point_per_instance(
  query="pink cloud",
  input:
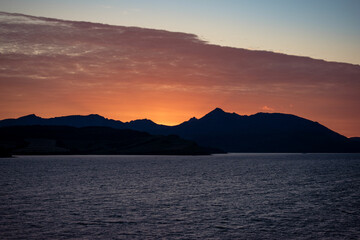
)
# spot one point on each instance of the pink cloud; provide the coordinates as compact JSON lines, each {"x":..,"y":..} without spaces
{"x":267,"y":109}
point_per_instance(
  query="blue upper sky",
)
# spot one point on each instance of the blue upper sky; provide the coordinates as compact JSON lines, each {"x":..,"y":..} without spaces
{"x":324,"y":29}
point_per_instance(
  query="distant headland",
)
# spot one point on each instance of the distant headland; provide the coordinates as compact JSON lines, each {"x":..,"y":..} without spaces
{"x":216,"y":132}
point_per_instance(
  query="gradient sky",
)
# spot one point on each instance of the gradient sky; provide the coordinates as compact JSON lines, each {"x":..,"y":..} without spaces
{"x":322,"y":29}
{"x":55,"y":67}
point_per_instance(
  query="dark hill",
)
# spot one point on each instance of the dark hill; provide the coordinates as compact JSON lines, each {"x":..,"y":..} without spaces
{"x":90,"y":140}
{"x":72,"y":121}
{"x":261,"y":132}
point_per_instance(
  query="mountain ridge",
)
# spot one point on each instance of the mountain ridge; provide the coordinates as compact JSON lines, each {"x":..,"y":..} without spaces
{"x":65,"y":140}
{"x":260,"y":132}
{"x":215,"y":112}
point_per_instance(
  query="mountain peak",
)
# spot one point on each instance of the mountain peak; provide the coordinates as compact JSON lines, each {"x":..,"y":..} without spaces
{"x":30,"y":116}
{"x":95,"y":116}
{"x":216,"y":113}
{"x":217,"y":110}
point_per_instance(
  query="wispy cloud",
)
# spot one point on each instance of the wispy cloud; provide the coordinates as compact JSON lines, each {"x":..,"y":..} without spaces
{"x":267,"y":109}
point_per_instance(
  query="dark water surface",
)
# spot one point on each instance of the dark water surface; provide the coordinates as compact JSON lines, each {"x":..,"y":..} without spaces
{"x":235,"y":196}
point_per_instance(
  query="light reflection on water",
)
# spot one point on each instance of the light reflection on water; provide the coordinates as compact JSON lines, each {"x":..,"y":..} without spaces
{"x":234,"y":196}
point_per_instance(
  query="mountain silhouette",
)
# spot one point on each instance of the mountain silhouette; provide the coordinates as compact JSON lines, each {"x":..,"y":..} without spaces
{"x":38,"y":139}
{"x":73,"y":121}
{"x":261,"y":132}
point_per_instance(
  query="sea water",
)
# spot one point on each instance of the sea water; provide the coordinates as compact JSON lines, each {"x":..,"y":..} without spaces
{"x":233,"y":196}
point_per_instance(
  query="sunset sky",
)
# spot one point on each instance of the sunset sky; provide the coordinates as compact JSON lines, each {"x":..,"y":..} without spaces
{"x":55,"y":67}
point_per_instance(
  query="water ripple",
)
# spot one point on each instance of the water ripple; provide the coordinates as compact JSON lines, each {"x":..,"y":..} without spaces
{"x":235,"y":196}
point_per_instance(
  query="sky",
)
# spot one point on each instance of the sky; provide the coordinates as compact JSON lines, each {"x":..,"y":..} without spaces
{"x":56,"y":67}
{"x":322,"y":29}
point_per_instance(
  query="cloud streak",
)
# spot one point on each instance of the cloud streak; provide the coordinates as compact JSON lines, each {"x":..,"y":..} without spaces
{"x":55,"y":67}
